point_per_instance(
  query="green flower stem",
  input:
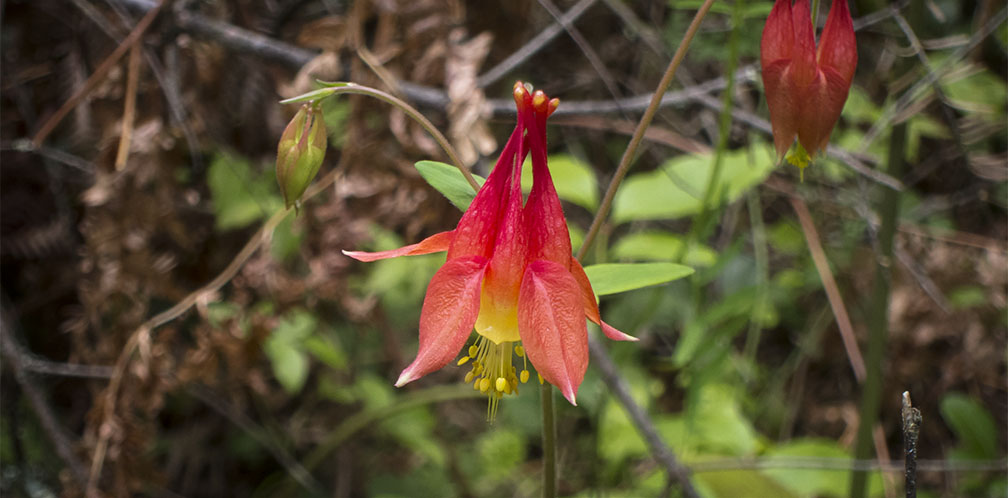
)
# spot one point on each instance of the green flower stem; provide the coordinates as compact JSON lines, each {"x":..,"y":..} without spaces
{"x":353,"y":88}
{"x":878,"y":318}
{"x":638,"y":135}
{"x":548,"y":441}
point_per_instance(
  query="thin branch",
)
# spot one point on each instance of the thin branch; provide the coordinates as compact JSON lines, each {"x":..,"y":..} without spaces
{"x":631,"y":151}
{"x":129,"y":108}
{"x":911,"y":431}
{"x":947,"y":114}
{"x":854,"y":356}
{"x":99,"y":74}
{"x":593,"y":59}
{"x":619,"y":389}
{"x":602,"y":361}
{"x":34,"y":364}
{"x":534,"y":45}
{"x":143,"y":332}
{"x":13,"y":355}
{"x":169,"y":85}
{"x":59,"y":156}
{"x":228,"y":411}
{"x":847,"y":465}
{"x":907,"y":99}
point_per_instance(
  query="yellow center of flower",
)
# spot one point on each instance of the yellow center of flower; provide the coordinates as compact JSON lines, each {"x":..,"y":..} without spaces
{"x":800,"y":158}
{"x":492,"y":372}
{"x":497,"y":321}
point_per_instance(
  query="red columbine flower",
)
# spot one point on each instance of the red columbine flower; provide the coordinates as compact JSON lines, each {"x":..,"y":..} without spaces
{"x":806,"y":88}
{"x":510,"y":274}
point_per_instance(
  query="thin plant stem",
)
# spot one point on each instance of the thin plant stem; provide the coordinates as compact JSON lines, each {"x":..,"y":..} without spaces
{"x":700,"y":224}
{"x":879,"y":312}
{"x":815,"y":11}
{"x":761,"y":256}
{"x":635,"y":140}
{"x":354,"y":88}
{"x":548,"y":441}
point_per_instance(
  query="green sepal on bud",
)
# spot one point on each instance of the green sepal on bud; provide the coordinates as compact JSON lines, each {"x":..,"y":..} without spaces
{"x":300,"y":153}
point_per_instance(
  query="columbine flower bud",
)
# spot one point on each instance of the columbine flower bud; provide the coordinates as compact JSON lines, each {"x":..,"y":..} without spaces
{"x":806,"y":86}
{"x":300,"y":153}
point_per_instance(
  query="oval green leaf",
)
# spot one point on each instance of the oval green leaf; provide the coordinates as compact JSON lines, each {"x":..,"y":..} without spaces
{"x":448,"y":180}
{"x":612,"y":278}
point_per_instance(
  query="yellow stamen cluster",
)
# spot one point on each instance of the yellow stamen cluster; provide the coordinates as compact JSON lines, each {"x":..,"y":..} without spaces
{"x":492,"y":372}
{"x":800,"y":158}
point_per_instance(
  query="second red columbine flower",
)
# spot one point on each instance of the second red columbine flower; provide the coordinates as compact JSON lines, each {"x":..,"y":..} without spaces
{"x":806,"y":87}
{"x":510,"y":275}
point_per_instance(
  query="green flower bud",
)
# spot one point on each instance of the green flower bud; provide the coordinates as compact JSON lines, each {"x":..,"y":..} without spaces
{"x":300,"y":153}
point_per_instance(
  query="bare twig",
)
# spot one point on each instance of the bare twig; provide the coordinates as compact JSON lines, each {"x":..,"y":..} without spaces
{"x":539,"y":41}
{"x":602,"y":361}
{"x":228,"y":411}
{"x":631,"y":151}
{"x":618,"y":388}
{"x":911,"y":430}
{"x":586,"y":49}
{"x":59,"y":156}
{"x":946,"y":107}
{"x":854,"y":356}
{"x":12,"y":355}
{"x":143,"y":332}
{"x":847,"y":464}
{"x":98,"y":75}
{"x":129,"y":108}
{"x":166,"y":76}
{"x":907,"y":99}
{"x":32,"y":363}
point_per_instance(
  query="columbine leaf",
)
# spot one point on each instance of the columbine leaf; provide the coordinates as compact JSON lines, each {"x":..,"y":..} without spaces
{"x":621,"y":277}
{"x":448,"y":180}
{"x":972,"y":424}
{"x":675,"y":189}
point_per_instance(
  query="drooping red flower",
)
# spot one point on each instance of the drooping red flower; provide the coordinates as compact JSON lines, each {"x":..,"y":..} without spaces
{"x":510,"y":274}
{"x":806,"y":87}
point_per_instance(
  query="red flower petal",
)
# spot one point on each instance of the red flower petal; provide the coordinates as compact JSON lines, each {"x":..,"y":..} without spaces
{"x":435,"y":243}
{"x":552,"y":325}
{"x":778,"y":34}
{"x":449,"y":312}
{"x":824,"y":101}
{"x":591,"y":309}
{"x":477,"y":231}
{"x":782,"y":103}
{"x":837,"y":45}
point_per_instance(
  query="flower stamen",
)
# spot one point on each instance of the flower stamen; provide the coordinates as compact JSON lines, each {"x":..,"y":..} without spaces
{"x":492,"y":372}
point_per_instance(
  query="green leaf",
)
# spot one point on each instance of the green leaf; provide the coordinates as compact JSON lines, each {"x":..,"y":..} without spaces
{"x":973,"y":426}
{"x":612,"y":278}
{"x":286,"y":240}
{"x":448,"y":180}
{"x":810,"y":482}
{"x":290,"y":365}
{"x":734,"y":483}
{"x":573,"y":178}
{"x":661,"y":246}
{"x":328,"y":350}
{"x":285,"y":349}
{"x":500,"y":451}
{"x":676,"y":188}
{"x":240,"y":195}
